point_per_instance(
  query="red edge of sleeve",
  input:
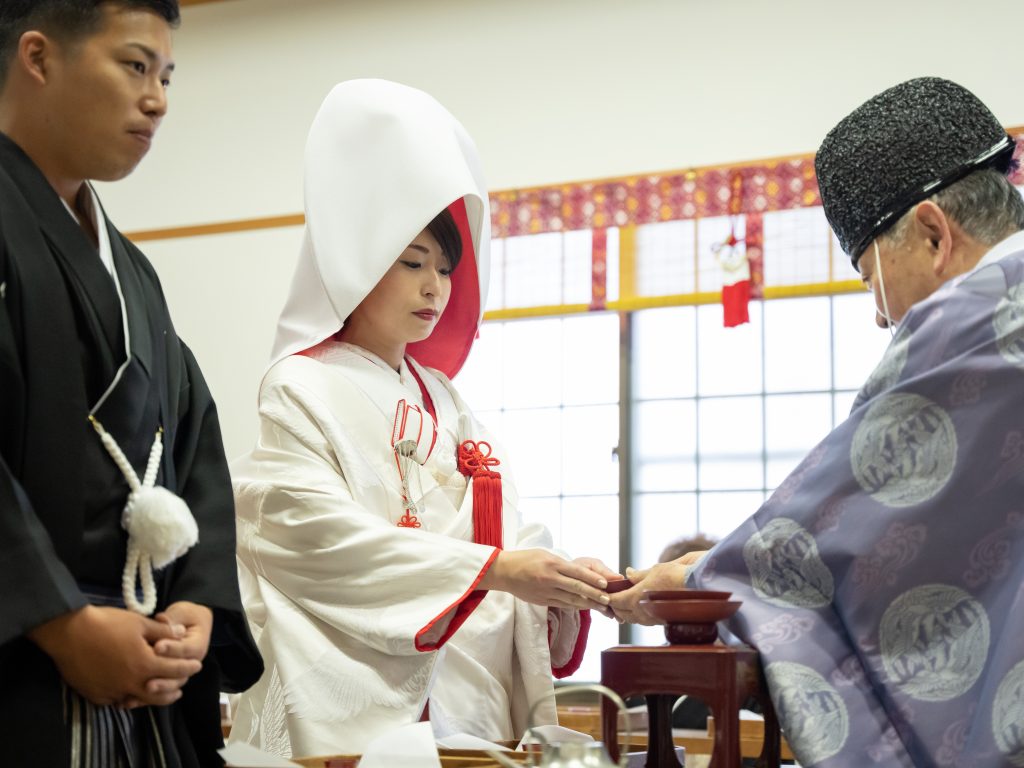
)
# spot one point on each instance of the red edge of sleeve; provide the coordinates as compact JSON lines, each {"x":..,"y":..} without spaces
{"x":577,"y":653}
{"x":464,"y":606}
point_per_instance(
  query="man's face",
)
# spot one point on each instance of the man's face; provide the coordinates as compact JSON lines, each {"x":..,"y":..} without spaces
{"x":905,"y":268}
{"x":107,"y":93}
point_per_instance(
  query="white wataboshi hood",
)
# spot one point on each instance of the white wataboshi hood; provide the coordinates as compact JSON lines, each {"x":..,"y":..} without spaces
{"x":382,"y":160}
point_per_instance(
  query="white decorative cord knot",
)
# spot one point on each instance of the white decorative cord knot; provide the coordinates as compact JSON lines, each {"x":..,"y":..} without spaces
{"x":160,"y":525}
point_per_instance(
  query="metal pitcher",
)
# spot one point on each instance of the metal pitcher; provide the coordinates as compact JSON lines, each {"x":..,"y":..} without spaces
{"x":571,"y":754}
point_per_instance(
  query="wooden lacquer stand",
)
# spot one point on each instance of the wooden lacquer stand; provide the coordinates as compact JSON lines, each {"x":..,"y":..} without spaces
{"x":724,"y":677}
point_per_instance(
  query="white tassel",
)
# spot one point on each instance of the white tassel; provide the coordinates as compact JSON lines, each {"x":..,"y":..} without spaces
{"x":160,"y":525}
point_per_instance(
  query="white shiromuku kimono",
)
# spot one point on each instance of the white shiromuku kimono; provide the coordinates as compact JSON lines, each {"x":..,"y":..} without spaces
{"x":355,"y":616}
{"x":361,"y":620}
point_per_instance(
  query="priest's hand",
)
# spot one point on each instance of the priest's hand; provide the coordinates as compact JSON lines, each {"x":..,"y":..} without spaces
{"x":108,"y":656}
{"x":670,"y":575}
{"x":540,"y":577}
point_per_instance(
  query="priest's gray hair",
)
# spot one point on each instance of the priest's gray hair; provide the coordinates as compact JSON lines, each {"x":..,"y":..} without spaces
{"x":984,"y":203}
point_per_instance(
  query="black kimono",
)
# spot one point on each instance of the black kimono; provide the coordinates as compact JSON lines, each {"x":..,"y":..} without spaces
{"x":61,"y":496}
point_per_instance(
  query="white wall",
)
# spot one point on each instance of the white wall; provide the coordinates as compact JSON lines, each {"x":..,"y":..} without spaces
{"x":225,"y":292}
{"x":552,"y":90}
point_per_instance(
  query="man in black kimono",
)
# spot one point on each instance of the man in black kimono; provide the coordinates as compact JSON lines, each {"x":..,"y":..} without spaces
{"x":85,"y":335}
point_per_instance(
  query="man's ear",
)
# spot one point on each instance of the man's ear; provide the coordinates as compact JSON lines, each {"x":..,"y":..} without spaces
{"x":932,"y":230}
{"x":33,"y":56}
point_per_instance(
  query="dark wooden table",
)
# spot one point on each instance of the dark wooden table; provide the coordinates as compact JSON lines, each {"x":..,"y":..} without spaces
{"x":723,"y":677}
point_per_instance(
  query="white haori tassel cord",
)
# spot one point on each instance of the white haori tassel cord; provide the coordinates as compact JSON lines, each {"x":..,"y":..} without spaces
{"x":159,"y":523}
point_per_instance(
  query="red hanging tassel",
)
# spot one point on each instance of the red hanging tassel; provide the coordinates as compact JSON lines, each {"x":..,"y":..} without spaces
{"x":475,"y":461}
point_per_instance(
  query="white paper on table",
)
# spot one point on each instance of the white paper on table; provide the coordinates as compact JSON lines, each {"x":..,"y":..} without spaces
{"x":466,"y":741}
{"x":553,"y":734}
{"x":411,"y":746}
{"x":242,"y":755}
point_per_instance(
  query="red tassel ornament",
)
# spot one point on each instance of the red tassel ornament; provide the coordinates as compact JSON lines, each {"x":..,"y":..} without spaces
{"x":475,"y":462}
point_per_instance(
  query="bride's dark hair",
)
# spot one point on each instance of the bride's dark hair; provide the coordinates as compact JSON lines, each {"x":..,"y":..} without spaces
{"x":445,"y":231}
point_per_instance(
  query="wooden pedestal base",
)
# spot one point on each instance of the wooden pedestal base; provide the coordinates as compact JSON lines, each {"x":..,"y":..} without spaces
{"x":724,"y":677}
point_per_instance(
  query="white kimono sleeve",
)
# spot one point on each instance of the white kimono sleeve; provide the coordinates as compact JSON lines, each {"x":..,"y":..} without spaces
{"x":398,"y":590}
{"x":568,"y":628}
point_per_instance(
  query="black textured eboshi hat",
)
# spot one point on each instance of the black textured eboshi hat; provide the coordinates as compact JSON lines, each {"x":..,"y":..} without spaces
{"x":897,"y":149}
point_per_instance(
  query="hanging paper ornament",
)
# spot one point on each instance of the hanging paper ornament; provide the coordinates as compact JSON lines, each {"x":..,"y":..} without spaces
{"x":731,"y":255}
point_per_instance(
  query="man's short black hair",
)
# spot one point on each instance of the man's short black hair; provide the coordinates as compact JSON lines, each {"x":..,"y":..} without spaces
{"x":64,"y":20}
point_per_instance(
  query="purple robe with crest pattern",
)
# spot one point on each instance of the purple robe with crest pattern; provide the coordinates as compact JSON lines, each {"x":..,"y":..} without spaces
{"x":883,"y":581}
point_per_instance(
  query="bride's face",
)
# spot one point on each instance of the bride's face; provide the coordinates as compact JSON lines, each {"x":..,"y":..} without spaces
{"x":408,"y":301}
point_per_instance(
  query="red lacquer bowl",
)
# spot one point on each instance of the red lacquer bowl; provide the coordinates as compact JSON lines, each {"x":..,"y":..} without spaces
{"x":691,"y":634}
{"x":618,"y":585}
{"x":685,"y":594}
{"x":691,"y":611}
{"x":691,"y":622}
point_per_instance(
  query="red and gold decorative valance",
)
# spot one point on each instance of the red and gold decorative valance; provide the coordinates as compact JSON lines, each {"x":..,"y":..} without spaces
{"x":697,"y":193}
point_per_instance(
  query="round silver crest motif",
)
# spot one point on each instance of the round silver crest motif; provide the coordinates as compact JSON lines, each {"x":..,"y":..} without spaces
{"x":1008,"y":715}
{"x":817,"y":722}
{"x":887,"y":373}
{"x":1008,"y":323}
{"x":785,"y":567}
{"x":934,"y":640}
{"x":904,"y":450}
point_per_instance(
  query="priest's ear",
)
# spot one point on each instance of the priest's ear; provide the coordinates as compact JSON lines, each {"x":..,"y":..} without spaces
{"x":933,"y":234}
